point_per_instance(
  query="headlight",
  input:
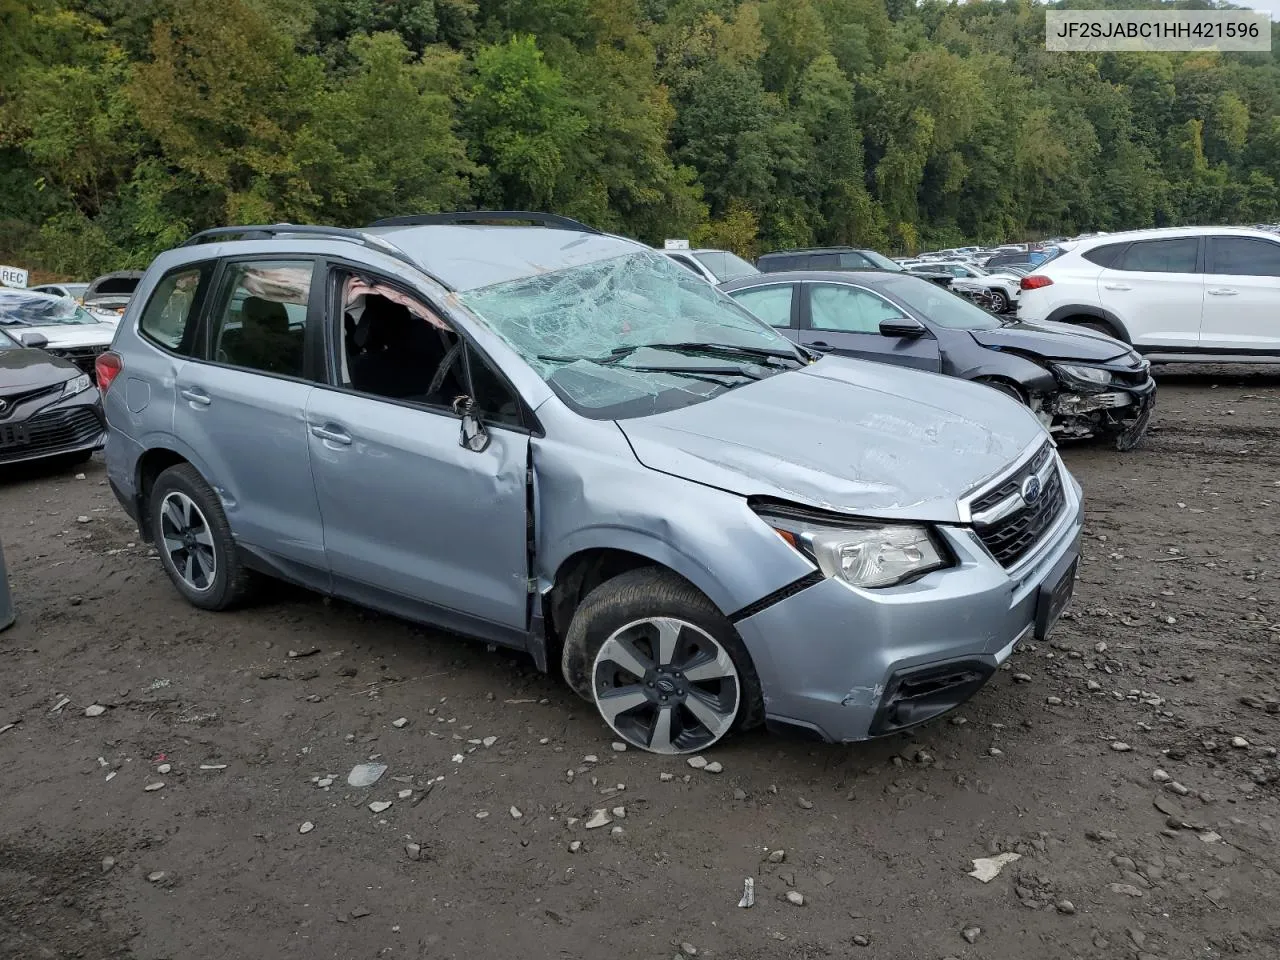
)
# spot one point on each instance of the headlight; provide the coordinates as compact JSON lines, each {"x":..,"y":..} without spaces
{"x":76,"y":385}
{"x":863,"y":555}
{"x":1088,"y":374}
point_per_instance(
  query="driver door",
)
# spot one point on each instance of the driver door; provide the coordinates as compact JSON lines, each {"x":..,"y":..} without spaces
{"x":844,"y":318}
{"x":414,"y":522}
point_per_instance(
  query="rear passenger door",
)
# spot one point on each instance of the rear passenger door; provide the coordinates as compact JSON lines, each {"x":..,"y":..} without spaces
{"x":1242,"y":295}
{"x":844,"y":318}
{"x":1156,"y":288}
{"x":241,"y":405}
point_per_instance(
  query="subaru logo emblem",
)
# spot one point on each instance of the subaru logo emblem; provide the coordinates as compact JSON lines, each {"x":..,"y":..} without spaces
{"x":1031,"y":490}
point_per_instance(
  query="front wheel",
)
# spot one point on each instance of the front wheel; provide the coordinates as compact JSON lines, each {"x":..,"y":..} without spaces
{"x":999,"y":301}
{"x":665,"y":669}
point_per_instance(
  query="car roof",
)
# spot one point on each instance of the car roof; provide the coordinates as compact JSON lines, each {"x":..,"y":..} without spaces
{"x":788,"y":253}
{"x":869,"y":277}
{"x":1163,"y":233}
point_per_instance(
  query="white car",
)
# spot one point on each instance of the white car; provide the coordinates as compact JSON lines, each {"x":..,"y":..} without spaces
{"x":68,"y":329}
{"x":73,"y":290}
{"x":713,"y":266}
{"x":1189,"y":294}
{"x":969,"y":278}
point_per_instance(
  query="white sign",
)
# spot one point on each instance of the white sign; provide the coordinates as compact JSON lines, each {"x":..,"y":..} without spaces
{"x":13,"y":276}
{"x":675,"y":245}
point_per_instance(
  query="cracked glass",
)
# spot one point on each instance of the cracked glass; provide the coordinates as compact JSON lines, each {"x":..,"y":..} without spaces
{"x":596,"y":334}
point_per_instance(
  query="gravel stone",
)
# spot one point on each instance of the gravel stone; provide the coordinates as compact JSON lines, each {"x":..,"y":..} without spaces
{"x":795,"y":898}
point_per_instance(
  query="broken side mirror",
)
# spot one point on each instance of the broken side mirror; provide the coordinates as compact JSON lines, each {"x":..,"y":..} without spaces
{"x":33,"y":339}
{"x":902,"y":327}
{"x":472,"y":434}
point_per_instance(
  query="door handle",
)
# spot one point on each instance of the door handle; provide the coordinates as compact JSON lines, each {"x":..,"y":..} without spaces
{"x":195,"y":395}
{"x":1221,"y":292}
{"x":821,"y":345}
{"x":333,"y":434}
{"x":1116,"y":286}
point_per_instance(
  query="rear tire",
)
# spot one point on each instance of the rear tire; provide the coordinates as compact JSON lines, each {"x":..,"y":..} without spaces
{"x":1100,"y":326}
{"x":999,"y":301}
{"x":196,"y":547}
{"x":666,"y":670}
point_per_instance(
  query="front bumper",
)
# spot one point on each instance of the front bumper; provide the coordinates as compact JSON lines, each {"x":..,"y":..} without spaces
{"x":845,"y":664}
{"x":55,"y":429}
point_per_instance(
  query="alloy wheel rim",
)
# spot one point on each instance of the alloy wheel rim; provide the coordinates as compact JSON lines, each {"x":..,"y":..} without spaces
{"x":188,"y":541}
{"x":665,"y":685}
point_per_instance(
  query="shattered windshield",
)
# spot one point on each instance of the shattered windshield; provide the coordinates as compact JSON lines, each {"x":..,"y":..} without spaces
{"x":631,"y":335}
{"x":34,"y":311}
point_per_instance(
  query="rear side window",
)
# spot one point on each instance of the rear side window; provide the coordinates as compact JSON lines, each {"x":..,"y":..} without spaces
{"x":1161,"y":256}
{"x":261,"y":319}
{"x":1105,"y":256}
{"x":822,"y":261}
{"x":770,"y":304}
{"x":688,"y":265}
{"x":1245,"y":257}
{"x":170,"y":315}
{"x":855,"y":261}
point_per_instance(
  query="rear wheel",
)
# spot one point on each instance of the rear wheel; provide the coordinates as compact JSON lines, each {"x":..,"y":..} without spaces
{"x":665,"y":669}
{"x":1099,"y":326}
{"x":196,"y":548}
{"x":999,"y":301}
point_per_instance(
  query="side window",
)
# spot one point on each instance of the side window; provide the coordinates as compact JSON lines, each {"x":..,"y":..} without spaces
{"x":688,"y":265}
{"x":169,"y":317}
{"x":770,"y":304}
{"x":854,"y":261}
{"x":822,"y":261}
{"x":492,"y":395}
{"x":394,"y":345}
{"x":260,"y":322}
{"x":842,"y":309}
{"x":1161,"y":256}
{"x":1105,"y":256}
{"x":1245,"y":257}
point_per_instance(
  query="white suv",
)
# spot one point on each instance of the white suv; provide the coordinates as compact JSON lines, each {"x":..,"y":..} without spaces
{"x":1176,"y":294}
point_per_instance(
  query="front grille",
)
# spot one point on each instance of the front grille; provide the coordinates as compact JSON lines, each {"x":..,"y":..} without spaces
{"x":48,"y":433}
{"x":1011,"y":537}
{"x":1013,"y":484}
{"x":13,"y":400}
{"x":82,"y":357}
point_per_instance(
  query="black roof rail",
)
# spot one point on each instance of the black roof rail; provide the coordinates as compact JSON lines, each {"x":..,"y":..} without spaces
{"x":552,"y":220}
{"x":263,"y":231}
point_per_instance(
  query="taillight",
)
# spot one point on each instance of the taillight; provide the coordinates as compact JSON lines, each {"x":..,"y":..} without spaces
{"x":1034,"y":282}
{"x":107,"y":366}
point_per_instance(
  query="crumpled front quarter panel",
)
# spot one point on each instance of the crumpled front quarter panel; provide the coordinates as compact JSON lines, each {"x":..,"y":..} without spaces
{"x":592,"y":493}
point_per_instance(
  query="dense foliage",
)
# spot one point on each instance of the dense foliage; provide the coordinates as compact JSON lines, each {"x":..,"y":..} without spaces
{"x":754,"y":124}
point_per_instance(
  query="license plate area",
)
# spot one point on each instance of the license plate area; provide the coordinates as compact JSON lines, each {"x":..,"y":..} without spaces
{"x":1055,"y":594}
{"x":13,"y":435}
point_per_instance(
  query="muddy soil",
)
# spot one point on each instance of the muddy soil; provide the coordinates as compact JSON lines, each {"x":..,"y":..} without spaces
{"x":1171,"y":649}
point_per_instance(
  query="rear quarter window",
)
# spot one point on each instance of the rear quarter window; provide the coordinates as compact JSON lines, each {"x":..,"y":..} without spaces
{"x":1105,"y":256}
{"x":169,"y":318}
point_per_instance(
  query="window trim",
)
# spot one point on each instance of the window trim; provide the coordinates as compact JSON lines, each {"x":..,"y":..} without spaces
{"x":330,"y":343}
{"x":808,"y":309}
{"x":795,"y":300}
{"x":195,"y":319}
{"x":308,"y":331}
{"x":1211,"y":256}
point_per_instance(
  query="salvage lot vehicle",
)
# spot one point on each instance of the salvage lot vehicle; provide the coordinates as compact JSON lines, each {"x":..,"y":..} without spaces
{"x":107,"y":296}
{"x":713,"y":266}
{"x":826,"y":258}
{"x":1078,"y":382}
{"x":75,"y":291}
{"x":48,"y":408}
{"x":67,"y":329}
{"x":560,"y":441}
{"x":1178,"y":294}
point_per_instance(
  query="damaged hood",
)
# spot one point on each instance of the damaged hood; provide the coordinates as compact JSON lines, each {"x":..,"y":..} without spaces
{"x":1054,"y":341}
{"x":843,"y":435}
{"x":63,"y":335}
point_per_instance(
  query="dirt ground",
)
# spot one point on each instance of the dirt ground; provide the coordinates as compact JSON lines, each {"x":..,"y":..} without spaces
{"x":1171,"y":649}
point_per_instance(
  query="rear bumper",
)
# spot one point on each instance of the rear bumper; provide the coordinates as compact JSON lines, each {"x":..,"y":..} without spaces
{"x":846,"y":664}
{"x":122,"y":455}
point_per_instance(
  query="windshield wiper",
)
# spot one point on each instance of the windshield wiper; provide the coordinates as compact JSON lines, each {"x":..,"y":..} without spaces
{"x":11,"y":320}
{"x":724,"y":349}
{"x":696,"y":372}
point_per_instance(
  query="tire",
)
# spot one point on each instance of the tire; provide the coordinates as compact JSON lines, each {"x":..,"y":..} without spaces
{"x":999,"y":301}
{"x":1008,"y":389}
{"x":666,"y":630}
{"x":1100,"y":326}
{"x":180,"y":495}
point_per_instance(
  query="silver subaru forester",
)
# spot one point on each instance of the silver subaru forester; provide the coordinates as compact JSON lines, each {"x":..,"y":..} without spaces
{"x":519,"y":428}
